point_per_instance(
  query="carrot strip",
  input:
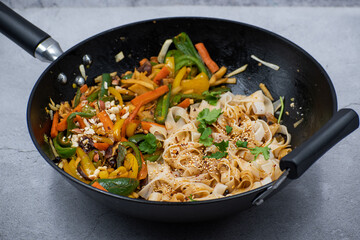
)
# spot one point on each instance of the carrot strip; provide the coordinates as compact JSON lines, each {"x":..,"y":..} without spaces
{"x":101,"y":146}
{"x":98,"y":186}
{"x":185,"y":103}
{"x":148,"y":125}
{"x":106,"y":121}
{"x":63,"y":123}
{"x":83,"y":88}
{"x":213,"y":67}
{"x":150,"y":96}
{"x":54,"y":132}
{"x":80,"y":120}
{"x":164,"y":72}
{"x":143,"y":172}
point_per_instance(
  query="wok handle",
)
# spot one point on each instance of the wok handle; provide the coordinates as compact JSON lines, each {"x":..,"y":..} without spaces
{"x":32,"y":39}
{"x":301,"y":158}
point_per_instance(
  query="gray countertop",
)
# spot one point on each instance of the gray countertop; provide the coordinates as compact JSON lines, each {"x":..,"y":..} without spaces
{"x":36,"y":202}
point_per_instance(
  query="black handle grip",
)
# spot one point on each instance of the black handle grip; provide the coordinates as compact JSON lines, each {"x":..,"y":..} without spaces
{"x":301,"y":158}
{"x":21,"y":31}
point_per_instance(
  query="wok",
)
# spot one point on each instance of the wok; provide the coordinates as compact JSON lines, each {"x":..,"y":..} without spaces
{"x":230,"y":44}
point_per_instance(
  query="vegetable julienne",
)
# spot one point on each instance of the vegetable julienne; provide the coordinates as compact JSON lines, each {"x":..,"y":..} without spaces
{"x":168,"y":131}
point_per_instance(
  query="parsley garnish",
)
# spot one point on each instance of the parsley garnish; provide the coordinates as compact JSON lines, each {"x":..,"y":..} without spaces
{"x":149,"y":144}
{"x":241,"y":144}
{"x":205,"y":137}
{"x":212,"y":97}
{"x":228,"y":129}
{"x":264,"y":150}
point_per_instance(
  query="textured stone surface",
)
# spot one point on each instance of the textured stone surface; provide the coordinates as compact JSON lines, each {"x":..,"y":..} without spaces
{"x":36,"y":203}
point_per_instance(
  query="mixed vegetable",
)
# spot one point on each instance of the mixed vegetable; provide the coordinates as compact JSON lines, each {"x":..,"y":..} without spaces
{"x":102,"y":137}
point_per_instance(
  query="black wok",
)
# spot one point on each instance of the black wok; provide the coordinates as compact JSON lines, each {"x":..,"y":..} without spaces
{"x":230,"y":44}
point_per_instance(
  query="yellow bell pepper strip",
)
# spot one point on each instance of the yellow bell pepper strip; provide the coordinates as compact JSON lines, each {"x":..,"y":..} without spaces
{"x":130,"y":128}
{"x":179,"y":76}
{"x":86,"y":164}
{"x":117,"y":95}
{"x":162,"y":107}
{"x":70,"y":168}
{"x":199,"y":84}
{"x":136,"y":152}
{"x":103,"y":139}
{"x":64,"y":152}
{"x":117,"y":129}
{"x":119,"y":186}
{"x":131,"y":165}
{"x":119,"y":172}
{"x":170,"y":64}
{"x":105,"y":84}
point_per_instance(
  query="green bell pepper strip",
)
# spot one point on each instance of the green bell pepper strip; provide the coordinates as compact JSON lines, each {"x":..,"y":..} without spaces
{"x":137,"y":138}
{"x":162,"y":108}
{"x":152,"y":158}
{"x":127,"y":76}
{"x":177,"y":98}
{"x":105,"y":84}
{"x":64,"y":152}
{"x":126,"y":97}
{"x":93,"y":96}
{"x":136,"y":151}
{"x":184,"y":44}
{"x":70,"y":120}
{"x":173,"y":53}
{"x":186,"y":60}
{"x":119,"y":186}
{"x":62,"y":140}
{"x":108,"y":98}
{"x":121,"y":156}
{"x":77,"y":97}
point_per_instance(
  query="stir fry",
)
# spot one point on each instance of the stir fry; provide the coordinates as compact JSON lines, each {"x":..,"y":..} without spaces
{"x":130,"y":134}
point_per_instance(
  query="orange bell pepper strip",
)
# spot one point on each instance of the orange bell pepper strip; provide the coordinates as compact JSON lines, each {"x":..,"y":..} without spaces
{"x":83,"y":88}
{"x":147,"y":125}
{"x":143,"y":172}
{"x":98,"y":186}
{"x":185,"y":103}
{"x":101,"y":146}
{"x":54,"y":132}
{"x":106,"y":121}
{"x":129,"y":119}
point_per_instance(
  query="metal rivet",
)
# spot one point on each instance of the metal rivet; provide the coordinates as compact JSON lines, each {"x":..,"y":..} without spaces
{"x":79,"y":80}
{"x":87,"y":60}
{"x":62,"y":78}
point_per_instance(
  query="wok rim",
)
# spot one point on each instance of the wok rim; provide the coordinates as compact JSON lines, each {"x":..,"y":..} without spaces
{"x":148,"y":202}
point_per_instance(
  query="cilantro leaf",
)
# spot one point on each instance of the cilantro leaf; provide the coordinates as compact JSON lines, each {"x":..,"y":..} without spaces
{"x":265,"y":151}
{"x":208,"y":117}
{"x":228,"y":129}
{"x":217,"y":155}
{"x":149,"y":144}
{"x":241,"y":144}
{"x":212,"y":97}
{"x":191,"y":198}
{"x":205,"y":137}
{"x":222,"y":146}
